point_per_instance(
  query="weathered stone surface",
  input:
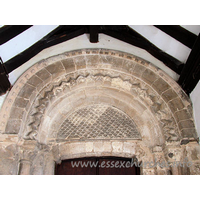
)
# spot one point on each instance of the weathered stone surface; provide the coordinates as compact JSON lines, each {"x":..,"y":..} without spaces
{"x":189,"y":133}
{"x":26,"y":91}
{"x":89,"y":147}
{"x":16,"y":113}
{"x":149,"y":76}
{"x":76,"y":148}
{"x":160,"y":85}
{"x":117,"y":63}
{"x":137,"y":70}
{"x":56,"y":69}
{"x":106,"y":60}
{"x":69,"y":65}
{"x":98,"y":146}
{"x":182,"y":115}
{"x":8,"y":159}
{"x":52,"y":95}
{"x":93,"y":61}
{"x":43,"y":74}
{"x":34,"y":81}
{"x":129,"y":147}
{"x":169,"y":95}
{"x":117,"y":147}
{"x":186,"y":124}
{"x":13,"y":126}
{"x":128,"y":66}
{"x":21,"y":102}
{"x":80,"y":62}
{"x":176,"y":105}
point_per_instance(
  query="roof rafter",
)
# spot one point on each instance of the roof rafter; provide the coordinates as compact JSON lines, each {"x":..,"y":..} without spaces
{"x":10,"y":31}
{"x":177,"y":32}
{"x":190,"y":74}
{"x":55,"y":37}
{"x":126,"y":34}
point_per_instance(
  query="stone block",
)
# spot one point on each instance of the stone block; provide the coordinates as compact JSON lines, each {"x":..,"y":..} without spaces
{"x":111,"y":92}
{"x":68,"y":65}
{"x":89,"y":147}
{"x":43,"y":74}
{"x":189,"y":133}
{"x":20,"y":102}
{"x":186,"y":124}
{"x":26,"y":91}
{"x":123,"y":107}
{"x":117,"y":63}
{"x":107,"y":147}
{"x":137,"y":70}
{"x":160,"y":85}
{"x":129,"y":148}
{"x":77,"y":148}
{"x":169,"y":95}
{"x":128,"y":66}
{"x":80,"y":62}
{"x":56,"y":69}
{"x":34,"y":81}
{"x":16,"y":113}
{"x":176,"y":105}
{"x":13,"y":126}
{"x":98,"y":146}
{"x":149,"y":76}
{"x":148,"y":172}
{"x":117,"y":147}
{"x":182,"y":115}
{"x":106,"y":59}
{"x":93,"y":61}
{"x":64,"y":149}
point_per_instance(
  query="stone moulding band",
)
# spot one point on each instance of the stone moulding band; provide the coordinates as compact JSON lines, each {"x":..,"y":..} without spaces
{"x":138,"y":89}
{"x":167,"y":101}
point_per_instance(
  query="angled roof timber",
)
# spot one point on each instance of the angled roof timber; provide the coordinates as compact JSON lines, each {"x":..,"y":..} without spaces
{"x":177,"y":32}
{"x":121,"y":32}
{"x":190,"y":74}
{"x":10,"y":31}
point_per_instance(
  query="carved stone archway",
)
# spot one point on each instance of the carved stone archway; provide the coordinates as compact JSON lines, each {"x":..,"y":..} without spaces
{"x":59,"y":91}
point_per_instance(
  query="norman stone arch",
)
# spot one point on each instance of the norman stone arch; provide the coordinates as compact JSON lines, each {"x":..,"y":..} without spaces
{"x":81,"y":90}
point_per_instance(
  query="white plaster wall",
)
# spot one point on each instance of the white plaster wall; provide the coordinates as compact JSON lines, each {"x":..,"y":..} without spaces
{"x":24,"y":40}
{"x":192,"y":28}
{"x":163,"y":41}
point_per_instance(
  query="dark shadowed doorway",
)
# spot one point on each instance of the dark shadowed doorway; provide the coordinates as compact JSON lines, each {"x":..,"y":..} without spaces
{"x":97,"y":166}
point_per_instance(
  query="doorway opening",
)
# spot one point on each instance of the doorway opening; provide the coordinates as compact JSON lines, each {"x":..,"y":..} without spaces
{"x":98,"y":166}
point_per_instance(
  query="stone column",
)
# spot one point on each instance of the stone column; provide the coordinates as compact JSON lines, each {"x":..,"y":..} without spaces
{"x":24,"y":167}
{"x":26,"y":155}
{"x":175,"y":157}
{"x":192,"y":150}
{"x":49,"y":165}
{"x":147,"y":166}
{"x":161,"y":164}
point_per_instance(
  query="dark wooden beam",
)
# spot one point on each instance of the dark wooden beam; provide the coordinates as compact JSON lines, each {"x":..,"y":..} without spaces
{"x":121,"y":32}
{"x":10,"y":31}
{"x":190,"y":74}
{"x":126,"y":34}
{"x":177,"y":32}
{"x":4,"y":81}
{"x":57,"y":36}
{"x":94,"y":33}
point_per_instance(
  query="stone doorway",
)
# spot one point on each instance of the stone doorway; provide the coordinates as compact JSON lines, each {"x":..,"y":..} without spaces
{"x":98,"y":166}
{"x":93,"y":103}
